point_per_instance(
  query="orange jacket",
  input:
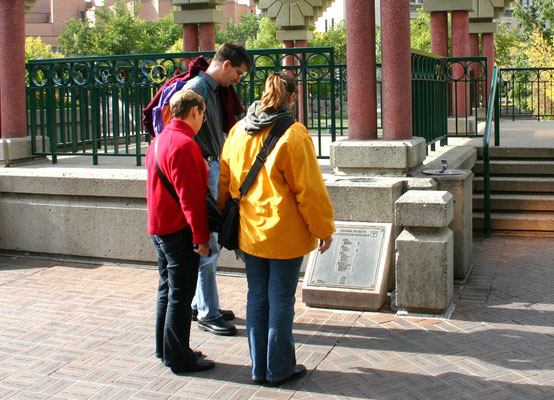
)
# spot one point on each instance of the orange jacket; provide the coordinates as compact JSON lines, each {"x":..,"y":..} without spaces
{"x":287,"y":207}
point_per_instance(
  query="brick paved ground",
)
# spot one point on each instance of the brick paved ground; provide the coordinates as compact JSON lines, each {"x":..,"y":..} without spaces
{"x":81,"y":331}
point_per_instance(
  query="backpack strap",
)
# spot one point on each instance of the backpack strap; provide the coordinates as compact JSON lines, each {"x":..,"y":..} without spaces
{"x":203,"y":81}
{"x":276,"y":132}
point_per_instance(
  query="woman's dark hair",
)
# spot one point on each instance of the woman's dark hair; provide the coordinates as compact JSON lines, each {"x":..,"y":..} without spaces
{"x":278,"y":87}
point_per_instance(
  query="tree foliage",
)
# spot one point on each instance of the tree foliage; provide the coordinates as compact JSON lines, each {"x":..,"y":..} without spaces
{"x":29,"y":4}
{"x":35,"y":48}
{"x":335,"y":37}
{"x":537,"y":16}
{"x":245,"y":29}
{"x":118,"y":30}
{"x":266,"y":36}
{"x":420,"y":31}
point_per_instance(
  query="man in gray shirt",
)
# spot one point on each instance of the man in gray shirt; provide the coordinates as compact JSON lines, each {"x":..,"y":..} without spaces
{"x":227,"y":67}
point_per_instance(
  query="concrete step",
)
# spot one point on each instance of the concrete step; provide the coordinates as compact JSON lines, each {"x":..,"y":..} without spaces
{"x":516,"y":184}
{"x":519,"y":152}
{"x":517,"y":167}
{"x":518,"y":202}
{"x":517,"y":222}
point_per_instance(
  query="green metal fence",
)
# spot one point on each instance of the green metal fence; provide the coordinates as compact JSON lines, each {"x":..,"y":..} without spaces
{"x":93,"y":106}
{"x":527,"y":93}
{"x":429,"y":102}
{"x":468,"y":94}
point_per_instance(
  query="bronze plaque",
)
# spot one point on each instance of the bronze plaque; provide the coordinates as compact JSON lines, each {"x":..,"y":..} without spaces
{"x":353,"y":260}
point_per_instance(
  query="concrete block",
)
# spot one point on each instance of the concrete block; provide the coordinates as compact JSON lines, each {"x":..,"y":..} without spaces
{"x":200,"y":16}
{"x":482,"y":27}
{"x":424,"y":208}
{"x":461,"y":125}
{"x":377,"y":157}
{"x":364,"y":199}
{"x":18,"y":148}
{"x":294,"y":34}
{"x":460,"y":187}
{"x":424,"y":270}
{"x":448,"y":5}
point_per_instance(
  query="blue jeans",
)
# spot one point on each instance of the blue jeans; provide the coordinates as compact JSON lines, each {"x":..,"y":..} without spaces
{"x":206,"y":299}
{"x":269,"y":315}
{"x":178,"y":270}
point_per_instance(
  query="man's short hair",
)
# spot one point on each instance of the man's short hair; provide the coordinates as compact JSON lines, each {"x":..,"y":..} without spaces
{"x":235,"y":53}
{"x":183,"y":101}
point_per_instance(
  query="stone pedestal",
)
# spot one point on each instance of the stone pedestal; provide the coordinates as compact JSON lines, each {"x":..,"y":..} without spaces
{"x":18,"y":148}
{"x":460,"y":187}
{"x":461,"y":125}
{"x":377,"y":157}
{"x":424,"y":252}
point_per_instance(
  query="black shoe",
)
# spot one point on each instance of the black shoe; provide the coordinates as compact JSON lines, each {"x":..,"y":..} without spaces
{"x":218,"y":327}
{"x":261,"y":381}
{"x":227,"y":315}
{"x":199,"y":365}
{"x":299,"y":372}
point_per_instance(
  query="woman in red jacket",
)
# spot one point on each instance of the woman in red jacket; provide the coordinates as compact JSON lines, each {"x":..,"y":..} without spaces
{"x":178,"y":229}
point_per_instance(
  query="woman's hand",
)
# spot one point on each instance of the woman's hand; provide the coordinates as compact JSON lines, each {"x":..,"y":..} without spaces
{"x":325,"y":244}
{"x":202,"y":249}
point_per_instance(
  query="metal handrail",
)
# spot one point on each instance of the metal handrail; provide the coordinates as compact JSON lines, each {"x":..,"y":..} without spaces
{"x":493,"y":106}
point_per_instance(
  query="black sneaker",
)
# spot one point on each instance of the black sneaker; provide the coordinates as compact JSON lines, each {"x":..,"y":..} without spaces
{"x":218,"y":327}
{"x":227,"y":315}
{"x":200,"y":365}
{"x":299,"y":372}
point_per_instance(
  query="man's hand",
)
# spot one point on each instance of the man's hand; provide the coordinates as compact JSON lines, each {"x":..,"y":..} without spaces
{"x":325,"y":244}
{"x":202,"y":249}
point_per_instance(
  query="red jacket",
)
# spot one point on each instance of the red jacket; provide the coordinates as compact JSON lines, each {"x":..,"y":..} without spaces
{"x":180,"y":160}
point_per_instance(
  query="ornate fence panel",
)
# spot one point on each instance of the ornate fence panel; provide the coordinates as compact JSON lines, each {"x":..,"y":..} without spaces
{"x":467,"y":96}
{"x":527,"y":93}
{"x":93,"y":106}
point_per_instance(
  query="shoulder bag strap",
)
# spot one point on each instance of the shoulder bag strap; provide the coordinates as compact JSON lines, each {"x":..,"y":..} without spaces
{"x":163,"y":178}
{"x":276,"y":132}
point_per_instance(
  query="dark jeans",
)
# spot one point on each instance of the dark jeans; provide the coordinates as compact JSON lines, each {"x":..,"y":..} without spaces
{"x":270,"y":314}
{"x":178,"y":269}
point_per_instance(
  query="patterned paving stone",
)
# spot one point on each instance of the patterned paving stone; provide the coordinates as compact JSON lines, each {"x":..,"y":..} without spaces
{"x":86,"y":331}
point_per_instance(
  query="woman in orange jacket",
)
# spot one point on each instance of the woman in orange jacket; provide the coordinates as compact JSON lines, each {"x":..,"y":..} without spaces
{"x":282,"y":217}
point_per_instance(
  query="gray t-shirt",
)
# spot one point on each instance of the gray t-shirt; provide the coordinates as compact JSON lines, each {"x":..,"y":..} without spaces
{"x":211,"y":137}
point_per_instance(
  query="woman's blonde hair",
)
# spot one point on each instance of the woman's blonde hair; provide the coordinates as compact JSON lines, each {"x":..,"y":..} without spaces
{"x":278,"y":87}
{"x":183,"y":101}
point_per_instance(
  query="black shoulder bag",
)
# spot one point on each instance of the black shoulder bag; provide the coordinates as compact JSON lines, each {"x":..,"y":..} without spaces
{"x":214,"y":216}
{"x":229,"y":226}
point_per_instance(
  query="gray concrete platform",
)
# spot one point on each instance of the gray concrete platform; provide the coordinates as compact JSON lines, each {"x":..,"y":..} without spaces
{"x":70,"y":330}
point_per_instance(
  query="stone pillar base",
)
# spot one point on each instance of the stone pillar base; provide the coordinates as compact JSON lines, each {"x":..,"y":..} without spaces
{"x":13,"y":149}
{"x":424,"y":252}
{"x":377,"y":157}
{"x":481,"y":114}
{"x":461,"y":125}
{"x":460,"y":187}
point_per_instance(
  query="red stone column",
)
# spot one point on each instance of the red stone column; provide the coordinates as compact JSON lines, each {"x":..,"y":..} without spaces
{"x":303,"y":117}
{"x":190,"y":37}
{"x":361,"y":69}
{"x":289,"y":60}
{"x":397,"y":70}
{"x":460,"y":39}
{"x":473,"y":51}
{"x":13,"y":108}
{"x":487,"y":44}
{"x":439,"y":33}
{"x":206,"y":33}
